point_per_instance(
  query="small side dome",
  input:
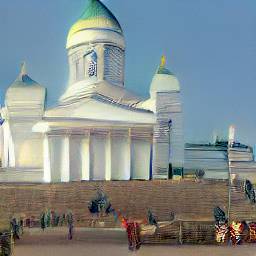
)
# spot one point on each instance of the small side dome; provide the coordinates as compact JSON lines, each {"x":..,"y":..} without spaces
{"x":164,"y":80}
{"x":96,"y":24}
{"x":25,"y":92}
{"x":23,"y":79}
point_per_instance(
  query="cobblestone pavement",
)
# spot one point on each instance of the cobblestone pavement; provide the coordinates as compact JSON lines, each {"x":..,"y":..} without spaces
{"x":111,"y":243}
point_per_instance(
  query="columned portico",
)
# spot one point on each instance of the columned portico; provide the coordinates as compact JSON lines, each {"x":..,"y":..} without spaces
{"x":97,"y":154}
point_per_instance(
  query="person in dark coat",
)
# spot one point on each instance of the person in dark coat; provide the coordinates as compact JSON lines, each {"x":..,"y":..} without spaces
{"x":15,"y":228}
{"x":42,"y":222}
{"x":70,"y":222}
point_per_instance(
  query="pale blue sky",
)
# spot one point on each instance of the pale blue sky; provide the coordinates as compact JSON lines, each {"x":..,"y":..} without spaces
{"x":210,"y":46}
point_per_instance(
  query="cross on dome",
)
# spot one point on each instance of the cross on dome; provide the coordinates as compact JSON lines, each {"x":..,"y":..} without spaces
{"x":163,"y":61}
{"x":23,"y":70}
{"x":162,"y":69}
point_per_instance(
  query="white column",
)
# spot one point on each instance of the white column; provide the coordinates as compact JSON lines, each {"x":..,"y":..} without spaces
{"x":140,"y":155}
{"x":98,"y":155}
{"x":120,"y":155}
{"x":85,"y":157}
{"x":57,"y":170}
{"x":10,"y":147}
{"x":5,"y":154}
{"x":11,"y":152}
{"x":108,"y":163}
{"x":65,"y":160}
{"x":1,"y":142}
{"x":79,"y":157}
{"x":54,"y":144}
{"x":75,"y":157}
{"x":47,"y":160}
{"x":128,"y":172}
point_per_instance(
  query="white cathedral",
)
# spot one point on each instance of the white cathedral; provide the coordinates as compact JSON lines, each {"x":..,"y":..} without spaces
{"x":98,"y":130}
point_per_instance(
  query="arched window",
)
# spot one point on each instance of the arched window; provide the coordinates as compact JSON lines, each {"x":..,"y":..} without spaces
{"x":90,"y":64}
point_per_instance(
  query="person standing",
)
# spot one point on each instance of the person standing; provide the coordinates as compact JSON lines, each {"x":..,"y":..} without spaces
{"x":70,"y":221}
{"x":63,"y":219}
{"x":15,"y":228}
{"x":42,"y":221}
{"x":133,"y":234}
{"x":21,"y":226}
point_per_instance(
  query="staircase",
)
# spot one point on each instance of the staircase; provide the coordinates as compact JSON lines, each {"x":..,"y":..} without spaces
{"x":241,"y":208}
{"x":11,"y":175}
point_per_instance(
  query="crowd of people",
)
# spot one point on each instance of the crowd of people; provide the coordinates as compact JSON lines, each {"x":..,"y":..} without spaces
{"x":52,"y":219}
{"x":236,"y":232}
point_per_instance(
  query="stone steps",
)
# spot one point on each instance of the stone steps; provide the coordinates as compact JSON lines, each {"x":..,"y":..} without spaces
{"x":21,"y":176}
{"x":189,"y":200}
{"x":241,"y":208}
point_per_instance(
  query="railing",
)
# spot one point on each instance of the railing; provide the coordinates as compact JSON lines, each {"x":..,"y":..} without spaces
{"x":183,"y":232}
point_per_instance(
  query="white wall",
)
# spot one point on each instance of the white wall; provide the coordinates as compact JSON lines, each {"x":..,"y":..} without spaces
{"x":28,"y":146}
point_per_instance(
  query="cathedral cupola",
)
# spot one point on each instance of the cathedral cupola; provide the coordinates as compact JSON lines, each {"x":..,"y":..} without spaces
{"x":96,"y":24}
{"x":25,"y":96}
{"x":96,"y":51}
{"x":164,"y":80}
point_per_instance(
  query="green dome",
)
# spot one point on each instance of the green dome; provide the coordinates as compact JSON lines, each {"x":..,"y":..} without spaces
{"x":164,"y":71}
{"x":96,"y":9}
{"x":23,"y":79}
{"x":96,"y":16}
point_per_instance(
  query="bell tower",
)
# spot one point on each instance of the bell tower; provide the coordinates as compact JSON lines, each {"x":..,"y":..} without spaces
{"x":168,"y":142}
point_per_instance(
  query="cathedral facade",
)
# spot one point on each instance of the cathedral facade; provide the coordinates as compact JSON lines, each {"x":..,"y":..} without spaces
{"x":98,"y":130}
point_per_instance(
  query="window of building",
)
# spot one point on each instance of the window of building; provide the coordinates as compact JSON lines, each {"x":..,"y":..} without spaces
{"x":90,"y":64}
{"x":114,"y":64}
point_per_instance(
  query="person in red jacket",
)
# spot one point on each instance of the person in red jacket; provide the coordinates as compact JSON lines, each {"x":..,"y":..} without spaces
{"x":133,"y":233}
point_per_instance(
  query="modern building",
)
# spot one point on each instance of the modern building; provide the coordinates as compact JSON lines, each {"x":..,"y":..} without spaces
{"x":99,"y":130}
{"x":212,"y":158}
{"x":221,"y":159}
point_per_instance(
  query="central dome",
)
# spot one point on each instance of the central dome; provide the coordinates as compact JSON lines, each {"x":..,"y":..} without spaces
{"x":95,"y":18}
